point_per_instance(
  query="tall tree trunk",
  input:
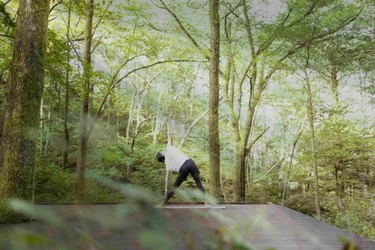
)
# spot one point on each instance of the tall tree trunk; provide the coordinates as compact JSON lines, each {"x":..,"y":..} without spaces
{"x":214,"y":100}
{"x":290,"y":165}
{"x":22,"y":100}
{"x":240,"y":175}
{"x":83,"y":128}
{"x":41,"y":128}
{"x":66,"y":130}
{"x":66,"y":100}
{"x":310,"y":114}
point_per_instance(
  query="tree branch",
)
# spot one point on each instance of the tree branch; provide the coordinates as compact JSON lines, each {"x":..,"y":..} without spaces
{"x":256,"y":139}
{"x":97,"y":44}
{"x":7,"y":36}
{"x":114,"y":83}
{"x":191,"y":126}
{"x":248,"y":28}
{"x":101,"y":17}
{"x":122,"y":149}
{"x":54,"y":6}
{"x":182,"y":27}
{"x":269,"y":171}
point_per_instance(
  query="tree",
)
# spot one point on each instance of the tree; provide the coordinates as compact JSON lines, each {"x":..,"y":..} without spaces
{"x":20,"y":119}
{"x":213,"y":122}
{"x":83,"y":133}
{"x":7,"y":26}
{"x":290,"y":33}
{"x":311,"y":120}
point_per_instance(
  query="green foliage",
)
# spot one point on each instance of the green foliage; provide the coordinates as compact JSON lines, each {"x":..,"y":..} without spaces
{"x":53,"y":185}
{"x":9,"y":216}
{"x":95,"y":192}
{"x":303,"y":203}
{"x":358,"y":216}
{"x":6,"y":20}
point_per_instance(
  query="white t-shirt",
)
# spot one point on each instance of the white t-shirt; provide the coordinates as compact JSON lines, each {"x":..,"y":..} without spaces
{"x":174,"y":159}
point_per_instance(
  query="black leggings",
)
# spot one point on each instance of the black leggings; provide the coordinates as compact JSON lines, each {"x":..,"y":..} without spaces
{"x":189,"y":167}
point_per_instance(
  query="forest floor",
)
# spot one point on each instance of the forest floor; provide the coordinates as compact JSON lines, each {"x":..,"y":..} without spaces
{"x":177,"y":226}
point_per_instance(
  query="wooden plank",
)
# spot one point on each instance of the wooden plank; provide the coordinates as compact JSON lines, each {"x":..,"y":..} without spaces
{"x":265,"y":226}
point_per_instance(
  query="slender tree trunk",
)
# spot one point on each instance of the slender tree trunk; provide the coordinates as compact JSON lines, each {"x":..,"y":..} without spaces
{"x":335,"y":88}
{"x":290,"y":165}
{"x":83,"y":132}
{"x":66,"y":100}
{"x":310,"y":113}
{"x":130,"y":119}
{"x":41,"y":128}
{"x":66,"y":130}
{"x":213,"y":123}
{"x":22,"y":100}
{"x":47,"y":133}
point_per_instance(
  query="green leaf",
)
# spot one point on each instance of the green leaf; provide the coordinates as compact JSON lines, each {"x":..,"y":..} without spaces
{"x":28,"y":208}
{"x":154,"y":240}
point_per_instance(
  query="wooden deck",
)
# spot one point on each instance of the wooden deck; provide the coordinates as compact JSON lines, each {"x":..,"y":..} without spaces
{"x":118,"y":226}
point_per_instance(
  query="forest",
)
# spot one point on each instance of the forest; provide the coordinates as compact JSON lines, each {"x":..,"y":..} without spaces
{"x":274,"y":101}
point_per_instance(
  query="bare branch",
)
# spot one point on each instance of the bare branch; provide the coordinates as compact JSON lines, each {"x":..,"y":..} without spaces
{"x":102,"y":17}
{"x":7,"y":36}
{"x":270,"y":170}
{"x":256,"y":139}
{"x":248,"y":28}
{"x":121,"y":148}
{"x":54,"y":6}
{"x":7,"y":2}
{"x":182,"y":27}
{"x":114,"y":84}
{"x":75,"y":50}
{"x":196,"y":120}
{"x":97,"y":44}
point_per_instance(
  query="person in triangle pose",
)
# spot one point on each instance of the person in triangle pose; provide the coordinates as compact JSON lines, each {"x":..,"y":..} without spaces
{"x":177,"y":161}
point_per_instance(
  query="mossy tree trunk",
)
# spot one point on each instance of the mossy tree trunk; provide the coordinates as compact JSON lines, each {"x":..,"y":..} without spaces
{"x":22,"y":99}
{"x":213,"y":125}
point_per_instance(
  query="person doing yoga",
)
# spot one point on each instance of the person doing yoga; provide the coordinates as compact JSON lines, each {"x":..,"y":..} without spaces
{"x":177,"y":161}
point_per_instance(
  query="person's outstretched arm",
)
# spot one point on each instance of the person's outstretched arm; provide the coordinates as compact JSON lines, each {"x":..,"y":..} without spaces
{"x":166,"y":182}
{"x":167,"y":174}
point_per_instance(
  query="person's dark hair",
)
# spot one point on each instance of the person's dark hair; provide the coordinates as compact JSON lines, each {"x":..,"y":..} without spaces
{"x":160,"y":157}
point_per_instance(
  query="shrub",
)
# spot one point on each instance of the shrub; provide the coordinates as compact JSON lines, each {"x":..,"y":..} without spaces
{"x":98,"y":193}
{"x":8,"y":216}
{"x":357,"y":217}
{"x":53,"y":185}
{"x":303,"y":203}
